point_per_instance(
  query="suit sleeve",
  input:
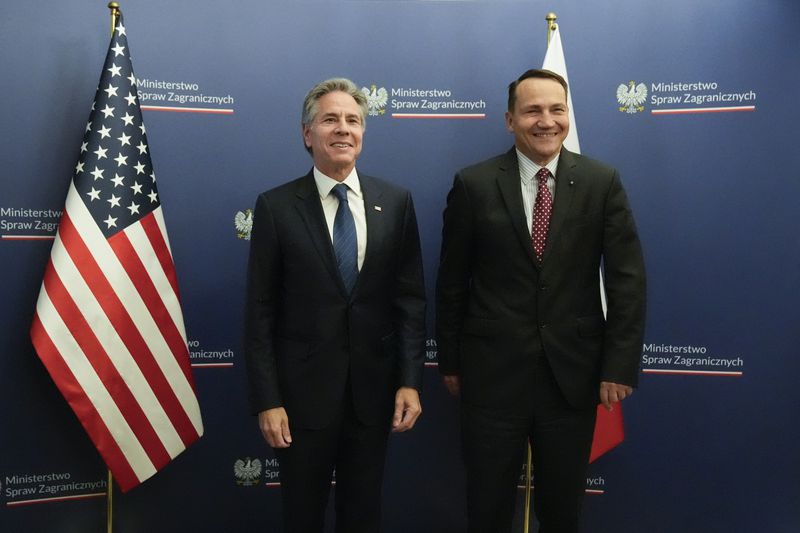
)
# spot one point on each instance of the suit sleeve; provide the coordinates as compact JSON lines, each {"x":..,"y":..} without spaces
{"x":625,"y":287}
{"x":409,"y":302}
{"x":453,"y":281}
{"x":263,"y":284}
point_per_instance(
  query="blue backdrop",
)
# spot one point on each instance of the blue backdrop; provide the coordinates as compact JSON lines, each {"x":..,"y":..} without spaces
{"x":712,"y":431}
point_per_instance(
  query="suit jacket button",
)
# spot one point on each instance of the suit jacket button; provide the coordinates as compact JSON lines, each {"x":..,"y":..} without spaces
{"x":542,"y":326}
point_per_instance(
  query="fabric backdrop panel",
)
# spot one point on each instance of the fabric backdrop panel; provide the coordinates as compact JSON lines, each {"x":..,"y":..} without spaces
{"x":708,"y":160}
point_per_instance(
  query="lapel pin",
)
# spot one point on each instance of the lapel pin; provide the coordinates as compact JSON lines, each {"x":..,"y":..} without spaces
{"x":378,"y":208}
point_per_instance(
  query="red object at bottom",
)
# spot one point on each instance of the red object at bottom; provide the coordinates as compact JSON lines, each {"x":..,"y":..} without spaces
{"x":609,"y":431}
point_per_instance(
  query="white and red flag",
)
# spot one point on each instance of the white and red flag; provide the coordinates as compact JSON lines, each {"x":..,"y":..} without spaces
{"x":108,"y":323}
{"x":609,"y":429}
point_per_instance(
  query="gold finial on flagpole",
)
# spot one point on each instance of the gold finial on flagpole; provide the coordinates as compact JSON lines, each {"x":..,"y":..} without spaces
{"x":551,"y":25}
{"x":114,"y":7}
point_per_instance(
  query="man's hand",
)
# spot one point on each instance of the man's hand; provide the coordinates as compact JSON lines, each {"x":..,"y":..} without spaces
{"x":406,"y":409}
{"x":453,"y":384}
{"x":611,"y":393}
{"x":274,"y":424}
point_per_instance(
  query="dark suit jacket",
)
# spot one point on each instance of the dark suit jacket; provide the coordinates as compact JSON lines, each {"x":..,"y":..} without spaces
{"x":304,"y":336}
{"x":496,"y":303}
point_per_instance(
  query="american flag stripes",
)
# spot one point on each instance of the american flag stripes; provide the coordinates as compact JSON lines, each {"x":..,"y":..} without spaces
{"x":108,"y":323}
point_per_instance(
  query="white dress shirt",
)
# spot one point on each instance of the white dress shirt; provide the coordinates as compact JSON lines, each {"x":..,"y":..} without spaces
{"x":529,"y":183}
{"x":355,"y":199}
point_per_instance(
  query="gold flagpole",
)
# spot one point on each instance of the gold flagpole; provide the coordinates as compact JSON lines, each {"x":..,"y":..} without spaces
{"x":526,"y":522}
{"x":551,"y":27}
{"x":109,"y":503}
{"x":114,"y":7}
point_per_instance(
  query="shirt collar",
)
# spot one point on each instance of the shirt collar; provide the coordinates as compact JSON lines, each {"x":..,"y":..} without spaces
{"x":528,"y":169}
{"x":326,"y":183}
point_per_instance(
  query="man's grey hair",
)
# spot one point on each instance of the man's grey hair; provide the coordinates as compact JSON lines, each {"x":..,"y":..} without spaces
{"x":311,"y":102}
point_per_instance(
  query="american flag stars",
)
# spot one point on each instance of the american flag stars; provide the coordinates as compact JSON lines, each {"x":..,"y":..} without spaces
{"x":115,"y":144}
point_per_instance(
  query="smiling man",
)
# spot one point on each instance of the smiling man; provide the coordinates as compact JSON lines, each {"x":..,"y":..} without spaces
{"x":521,"y":334}
{"x":335,"y":320}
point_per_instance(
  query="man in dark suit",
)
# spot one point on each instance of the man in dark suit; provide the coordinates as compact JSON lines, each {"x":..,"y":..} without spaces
{"x":520,"y":327}
{"x":335,"y":320}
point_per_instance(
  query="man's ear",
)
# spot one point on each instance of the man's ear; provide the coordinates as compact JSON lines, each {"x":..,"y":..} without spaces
{"x":509,"y":122}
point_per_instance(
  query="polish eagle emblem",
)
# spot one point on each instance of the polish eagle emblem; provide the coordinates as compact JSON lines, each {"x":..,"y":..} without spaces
{"x":631,"y":97}
{"x":247,"y":471}
{"x":244,"y":224}
{"x":376,"y":99}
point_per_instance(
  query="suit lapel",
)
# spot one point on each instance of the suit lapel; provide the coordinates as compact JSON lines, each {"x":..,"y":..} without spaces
{"x":376,"y":221}
{"x":310,"y":209}
{"x":565,"y":190}
{"x":511,"y":191}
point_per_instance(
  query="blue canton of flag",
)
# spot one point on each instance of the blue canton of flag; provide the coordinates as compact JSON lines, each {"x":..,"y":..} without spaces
{"x":114,"y":174}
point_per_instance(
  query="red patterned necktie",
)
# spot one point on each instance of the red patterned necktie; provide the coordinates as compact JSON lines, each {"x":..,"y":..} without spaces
{"x":542,"y":207}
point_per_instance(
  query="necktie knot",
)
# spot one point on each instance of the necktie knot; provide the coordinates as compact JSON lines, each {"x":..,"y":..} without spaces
{"x":340,"y":191}
{"x":542,"y":175}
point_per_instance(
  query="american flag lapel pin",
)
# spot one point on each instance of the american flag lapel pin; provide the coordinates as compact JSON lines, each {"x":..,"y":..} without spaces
{"x":378,"y":208}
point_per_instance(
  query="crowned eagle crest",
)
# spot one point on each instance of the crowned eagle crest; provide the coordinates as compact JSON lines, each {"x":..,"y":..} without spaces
{"x":631,"y":97}
{"x":376,"y":99}
{"x":247,"y":471}
{"x":244,"y":224}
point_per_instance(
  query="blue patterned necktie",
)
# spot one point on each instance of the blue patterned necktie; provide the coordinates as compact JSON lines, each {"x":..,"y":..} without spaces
{"x":345,"y":245}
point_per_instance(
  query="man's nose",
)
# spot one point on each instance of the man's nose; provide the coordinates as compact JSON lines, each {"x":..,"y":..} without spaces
{"x":546,"y":120}
{"x":342,"y":127}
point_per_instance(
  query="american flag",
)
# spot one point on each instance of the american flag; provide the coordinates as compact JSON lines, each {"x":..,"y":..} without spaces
{"x":108,"y":323}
